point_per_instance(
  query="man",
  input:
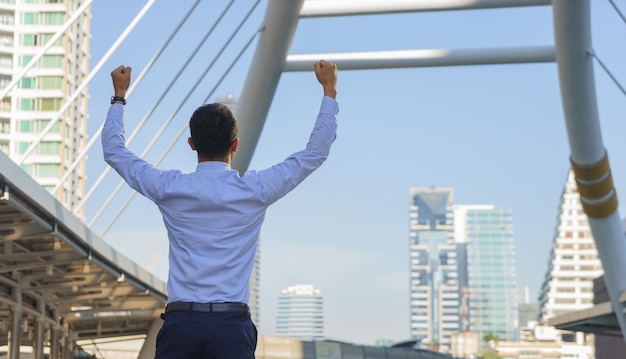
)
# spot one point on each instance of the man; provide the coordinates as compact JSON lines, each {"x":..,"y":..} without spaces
{"x":213,"y":217}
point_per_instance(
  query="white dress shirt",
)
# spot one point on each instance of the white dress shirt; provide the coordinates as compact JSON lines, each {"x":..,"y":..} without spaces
{"x":213,"y":216}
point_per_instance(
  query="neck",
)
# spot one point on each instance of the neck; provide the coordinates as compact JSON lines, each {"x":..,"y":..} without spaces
{"x":227,"y":158}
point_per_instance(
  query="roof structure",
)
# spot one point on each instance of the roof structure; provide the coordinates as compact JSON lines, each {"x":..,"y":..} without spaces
{"x":56,"y":273}
{"x":599,"y":319}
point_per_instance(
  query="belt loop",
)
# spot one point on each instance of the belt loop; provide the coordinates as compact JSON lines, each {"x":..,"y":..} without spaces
{"x":191,"y":306}
{"x":211,"y":307}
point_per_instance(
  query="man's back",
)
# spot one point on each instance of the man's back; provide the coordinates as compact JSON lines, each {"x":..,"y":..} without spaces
{"x":213,"y":219}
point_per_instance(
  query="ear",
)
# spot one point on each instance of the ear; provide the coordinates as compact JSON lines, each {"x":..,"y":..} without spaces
{"x":190,"y":142}
{"x":235,"y":145}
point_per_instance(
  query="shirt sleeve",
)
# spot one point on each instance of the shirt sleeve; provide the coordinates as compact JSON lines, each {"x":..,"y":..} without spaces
{"x":283,"y":177}
{"x":139,"y":174}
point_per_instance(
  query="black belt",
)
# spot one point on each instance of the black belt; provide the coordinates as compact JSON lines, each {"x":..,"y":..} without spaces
{"x":207,"y":307}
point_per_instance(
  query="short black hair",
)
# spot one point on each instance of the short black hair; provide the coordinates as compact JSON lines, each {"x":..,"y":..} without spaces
{"x":213,"y":129}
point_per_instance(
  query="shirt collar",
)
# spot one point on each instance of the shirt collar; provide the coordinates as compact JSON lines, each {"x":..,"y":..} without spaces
{"x":212,"y":166}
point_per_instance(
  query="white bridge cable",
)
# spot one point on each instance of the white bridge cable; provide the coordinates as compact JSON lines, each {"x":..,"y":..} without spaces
{"x":179,"y":134}
{"x":157,"y":136}
{"x":606,"y":69}
{"x":45,"y":49}
{"x":145,"y":118}
{"x":85,"y":82}
{"x":138,"y":80}
{"x":619,"y":12}
{"x":191,"y":91}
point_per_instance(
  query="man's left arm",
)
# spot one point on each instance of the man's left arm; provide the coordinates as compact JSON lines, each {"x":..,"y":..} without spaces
{"x":283,"y":177}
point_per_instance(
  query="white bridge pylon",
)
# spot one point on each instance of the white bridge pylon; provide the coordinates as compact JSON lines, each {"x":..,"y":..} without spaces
{"x":572,"y":53}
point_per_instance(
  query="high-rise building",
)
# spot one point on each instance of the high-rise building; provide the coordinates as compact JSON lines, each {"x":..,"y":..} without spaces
{"x":434,"y":285}
{"x":300,"y":313}
{"x":255,"y":288}
{"x":229,"y":100}
{"x":26,"y":26}
{"x":573,"y":261}
{"x":528,"y":311}
{"x":487,"y":234}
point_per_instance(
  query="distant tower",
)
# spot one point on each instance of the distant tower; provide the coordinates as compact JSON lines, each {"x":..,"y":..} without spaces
{"x":300,"y":313}
{"x":573,"y":262}
{"x":229,"y":100}
{"x":434,"y":286}
{"x":255,"y":288}
{"x":39,"y":96}
{"x":487,"y":234}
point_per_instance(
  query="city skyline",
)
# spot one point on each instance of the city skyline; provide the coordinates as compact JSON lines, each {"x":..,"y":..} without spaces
{"x":463,"y":275}
{"x":347,"y":209}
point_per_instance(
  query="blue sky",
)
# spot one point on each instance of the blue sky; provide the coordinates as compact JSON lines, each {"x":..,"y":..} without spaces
{"x":496,"y":134}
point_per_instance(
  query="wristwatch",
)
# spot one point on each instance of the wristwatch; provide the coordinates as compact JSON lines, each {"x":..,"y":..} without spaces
{"x":118,"y":99}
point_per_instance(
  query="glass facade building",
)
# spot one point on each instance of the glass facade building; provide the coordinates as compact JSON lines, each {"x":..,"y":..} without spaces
{"x":300,"y":313}
{"x":487,"y":234}
{"x":434,"y":286}
{"x":462,"y":269}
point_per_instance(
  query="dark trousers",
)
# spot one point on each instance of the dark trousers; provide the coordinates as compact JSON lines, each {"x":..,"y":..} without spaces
{"x":216,"y":335}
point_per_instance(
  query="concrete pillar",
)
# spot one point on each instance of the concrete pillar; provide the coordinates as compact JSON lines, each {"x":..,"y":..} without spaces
{"x":589,"y":158}
{"x":279,"y":26}
{"x":55,"y":344}
{"x":149,"y":346}
{"x":66,"y":352}
{"x":15,"y":332}
{"x":40,"y":330}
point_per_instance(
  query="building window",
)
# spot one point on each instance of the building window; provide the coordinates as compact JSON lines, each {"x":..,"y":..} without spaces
{"x":29,"y":83}
{"x":48,"y":170}
{"x":5,"y":127}
{"x":29,"y":18}
{"x":23,"y":147}
{"x":6,"y":40}
{"x":6,"y":61}
{"x":43,"y":148}
{"x":6,"y":18}
{"x":565,"y":290}
{"x":27,"y":104}
{"x":50,"y":104}
{"x":25,"y":60}
{"x":51,"y":82}
{"x":53,"y":18}
{"x":46,"y":37}
{"x":43,"y":104}
{"x":52,"y":61}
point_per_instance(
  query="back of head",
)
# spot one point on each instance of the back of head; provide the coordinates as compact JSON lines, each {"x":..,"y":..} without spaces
{"x":213,"y":129}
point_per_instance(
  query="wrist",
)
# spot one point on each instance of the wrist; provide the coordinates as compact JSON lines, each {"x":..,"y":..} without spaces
{"x":331,"y":92}
{"x":118,"y":99}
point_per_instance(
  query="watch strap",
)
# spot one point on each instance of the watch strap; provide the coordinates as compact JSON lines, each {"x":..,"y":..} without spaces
{"x":118,"y":99}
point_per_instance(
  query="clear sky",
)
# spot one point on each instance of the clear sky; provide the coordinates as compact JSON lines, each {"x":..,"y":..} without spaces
{"x":495,"y":134}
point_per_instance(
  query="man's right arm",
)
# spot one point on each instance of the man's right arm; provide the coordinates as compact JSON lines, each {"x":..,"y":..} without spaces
{"x":280,"y":179}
